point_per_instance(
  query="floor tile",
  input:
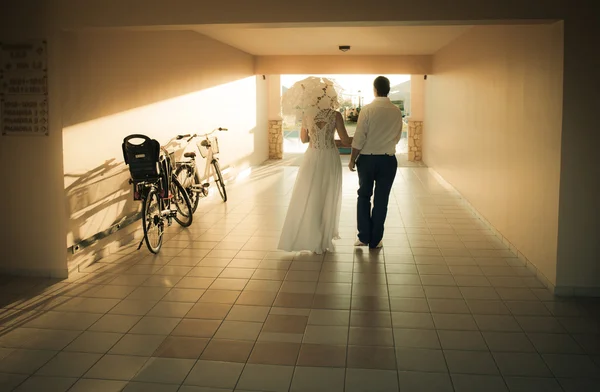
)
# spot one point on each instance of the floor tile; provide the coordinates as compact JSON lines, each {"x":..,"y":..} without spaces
{"x":181,"y":347}
{"x":46,"y":384}
{"x":364,"y":357}
{"x":227,"y":350}
{"x":116,"y":367}
{"x":316,"y":334}
{"x":142,"y":345}
{"x":115,"y":323}
{"x":239,"y":330}
{"x":580,"y":384}
{"x":170,"y":309}
{"x":478,"y":383}
{"x":363,"y":336}
{"x":462,"y":340}
{"x":370,"y":319}
{"x":532,"y":384}
{"x":25,"y":361}
{"x":220,"y":296}
{"x":10,"y":381}
{"x":257,"y":298}
{"x":150,"y":387}
{"x":424,"y":382}
{"x":318,"y":379}
{"x":214,"y":374}
{"x":248,"y":313}
{"x":417,"y":359}
{"x":470,"y":362}
{"x":133,"y":307}
{"x":211,"y":311}
{"x":197,"y":328}
{"x":566,"y":365}
{"x":94,"y":342}
{"x":452,"y":306}
{"x":155,"y":325}
{"x":269,"y":378}
{"x":458,"y":322}
{"x":329,"y":317}
{"x":412,"y":320}
{"x":521,"y":364}
{"x":317,"y":355}
{"x":552,"y":343}
{"x":487,"y":307}
{"x":165,"y":370}
{"x":87,"y":385}
{"x":409,"y":305}
{"x":67,"y":364}
{"x":275,"y":353}
{"x":371,"y":380}
{"x":416,"y":338}
{"x":285,"y":324}
{"x":497,"y":323}
{"x":508,"y":342}
{"x":540,"y":324}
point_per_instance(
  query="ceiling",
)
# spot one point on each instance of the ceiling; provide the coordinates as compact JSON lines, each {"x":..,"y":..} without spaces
{"x":364,"y":40}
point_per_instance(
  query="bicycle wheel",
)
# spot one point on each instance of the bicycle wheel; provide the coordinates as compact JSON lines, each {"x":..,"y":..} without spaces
{"x":183,"y":175}
{"x":152,"y":221}
{"x":182,"y":202}
{"x":219,"y":180}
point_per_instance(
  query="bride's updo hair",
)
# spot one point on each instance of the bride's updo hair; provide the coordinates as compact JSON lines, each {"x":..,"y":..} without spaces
{"x":382,"y":86}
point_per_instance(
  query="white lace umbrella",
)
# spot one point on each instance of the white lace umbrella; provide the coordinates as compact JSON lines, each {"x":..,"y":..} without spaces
{"x":310,"y":95}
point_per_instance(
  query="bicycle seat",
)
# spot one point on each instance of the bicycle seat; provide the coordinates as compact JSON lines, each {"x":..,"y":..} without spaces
{"x":190,"y":155}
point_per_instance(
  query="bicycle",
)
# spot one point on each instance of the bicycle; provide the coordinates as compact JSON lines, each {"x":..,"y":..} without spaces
{"x":187,"y":172}
{"x":154,"y":183}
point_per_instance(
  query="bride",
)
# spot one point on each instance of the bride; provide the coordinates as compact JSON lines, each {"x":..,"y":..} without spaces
{"x":313,"y":215}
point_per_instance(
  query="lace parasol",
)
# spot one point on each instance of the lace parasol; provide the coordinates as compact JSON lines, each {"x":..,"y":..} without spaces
{"x":309,"y":96}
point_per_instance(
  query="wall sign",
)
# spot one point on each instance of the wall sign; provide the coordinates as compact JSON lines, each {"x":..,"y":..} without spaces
{"x":23,"y":88}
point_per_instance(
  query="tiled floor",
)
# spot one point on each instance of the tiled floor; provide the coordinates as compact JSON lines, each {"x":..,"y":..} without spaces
{"x":442,"y":307}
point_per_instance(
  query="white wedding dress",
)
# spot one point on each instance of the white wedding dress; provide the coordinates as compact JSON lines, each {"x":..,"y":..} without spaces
{"x":312,"y":219}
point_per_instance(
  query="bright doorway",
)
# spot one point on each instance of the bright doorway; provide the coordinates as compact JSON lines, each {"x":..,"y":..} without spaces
{"x":357,"y":92}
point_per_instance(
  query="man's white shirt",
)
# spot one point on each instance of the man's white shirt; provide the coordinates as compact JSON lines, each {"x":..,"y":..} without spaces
{"x":379,"y":128}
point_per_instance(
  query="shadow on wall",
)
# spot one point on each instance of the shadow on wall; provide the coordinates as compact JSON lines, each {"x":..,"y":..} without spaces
{"x":158,"y":84}
{"x":99,"y":202}
{"x":99,"y":196}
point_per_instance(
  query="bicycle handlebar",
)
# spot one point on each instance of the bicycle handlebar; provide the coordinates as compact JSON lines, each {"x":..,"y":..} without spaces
{"x":179,"y":137}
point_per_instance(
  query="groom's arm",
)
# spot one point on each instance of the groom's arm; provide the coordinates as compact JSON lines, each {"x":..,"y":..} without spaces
{"x":360,"y":137}
{"x":353,"y":157}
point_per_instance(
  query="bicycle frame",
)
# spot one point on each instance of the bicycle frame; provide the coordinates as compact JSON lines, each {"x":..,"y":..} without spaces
{"x":209,"y":159}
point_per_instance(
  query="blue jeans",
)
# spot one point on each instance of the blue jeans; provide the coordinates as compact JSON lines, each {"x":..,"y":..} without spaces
{"x":377,"y":171}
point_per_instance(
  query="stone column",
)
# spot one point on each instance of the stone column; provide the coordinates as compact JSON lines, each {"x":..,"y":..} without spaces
{"x":275,"y":139}
{"x":415,"y":120}
{"x":415,"y":140}
{"x":275,"y":119}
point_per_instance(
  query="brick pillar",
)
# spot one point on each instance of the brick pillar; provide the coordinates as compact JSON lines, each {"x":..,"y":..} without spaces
{"x":415,"y":140}
{"x":275,"y":139}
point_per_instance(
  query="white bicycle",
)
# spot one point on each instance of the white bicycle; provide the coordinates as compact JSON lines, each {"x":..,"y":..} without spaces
{"x":188,"y":175}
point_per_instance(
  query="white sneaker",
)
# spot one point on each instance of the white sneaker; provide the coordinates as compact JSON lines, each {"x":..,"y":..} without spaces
{"x":360,"y":243}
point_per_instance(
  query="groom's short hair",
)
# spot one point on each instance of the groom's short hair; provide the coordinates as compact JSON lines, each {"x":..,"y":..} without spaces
{"x":382,"y":85}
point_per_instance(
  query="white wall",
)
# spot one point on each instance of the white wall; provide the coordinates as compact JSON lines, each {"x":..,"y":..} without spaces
{"x":155,"y":83}
{"x":493,"y":122}
{"x":32,"y":204}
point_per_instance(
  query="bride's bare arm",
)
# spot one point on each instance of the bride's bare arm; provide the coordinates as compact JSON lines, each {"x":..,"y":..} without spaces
{"x":304,"y":138}
{"x":341,"y":130}
{"x":304,"y":135}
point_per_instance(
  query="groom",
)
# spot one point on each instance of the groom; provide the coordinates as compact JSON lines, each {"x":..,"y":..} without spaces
{"x":374,"y":153}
